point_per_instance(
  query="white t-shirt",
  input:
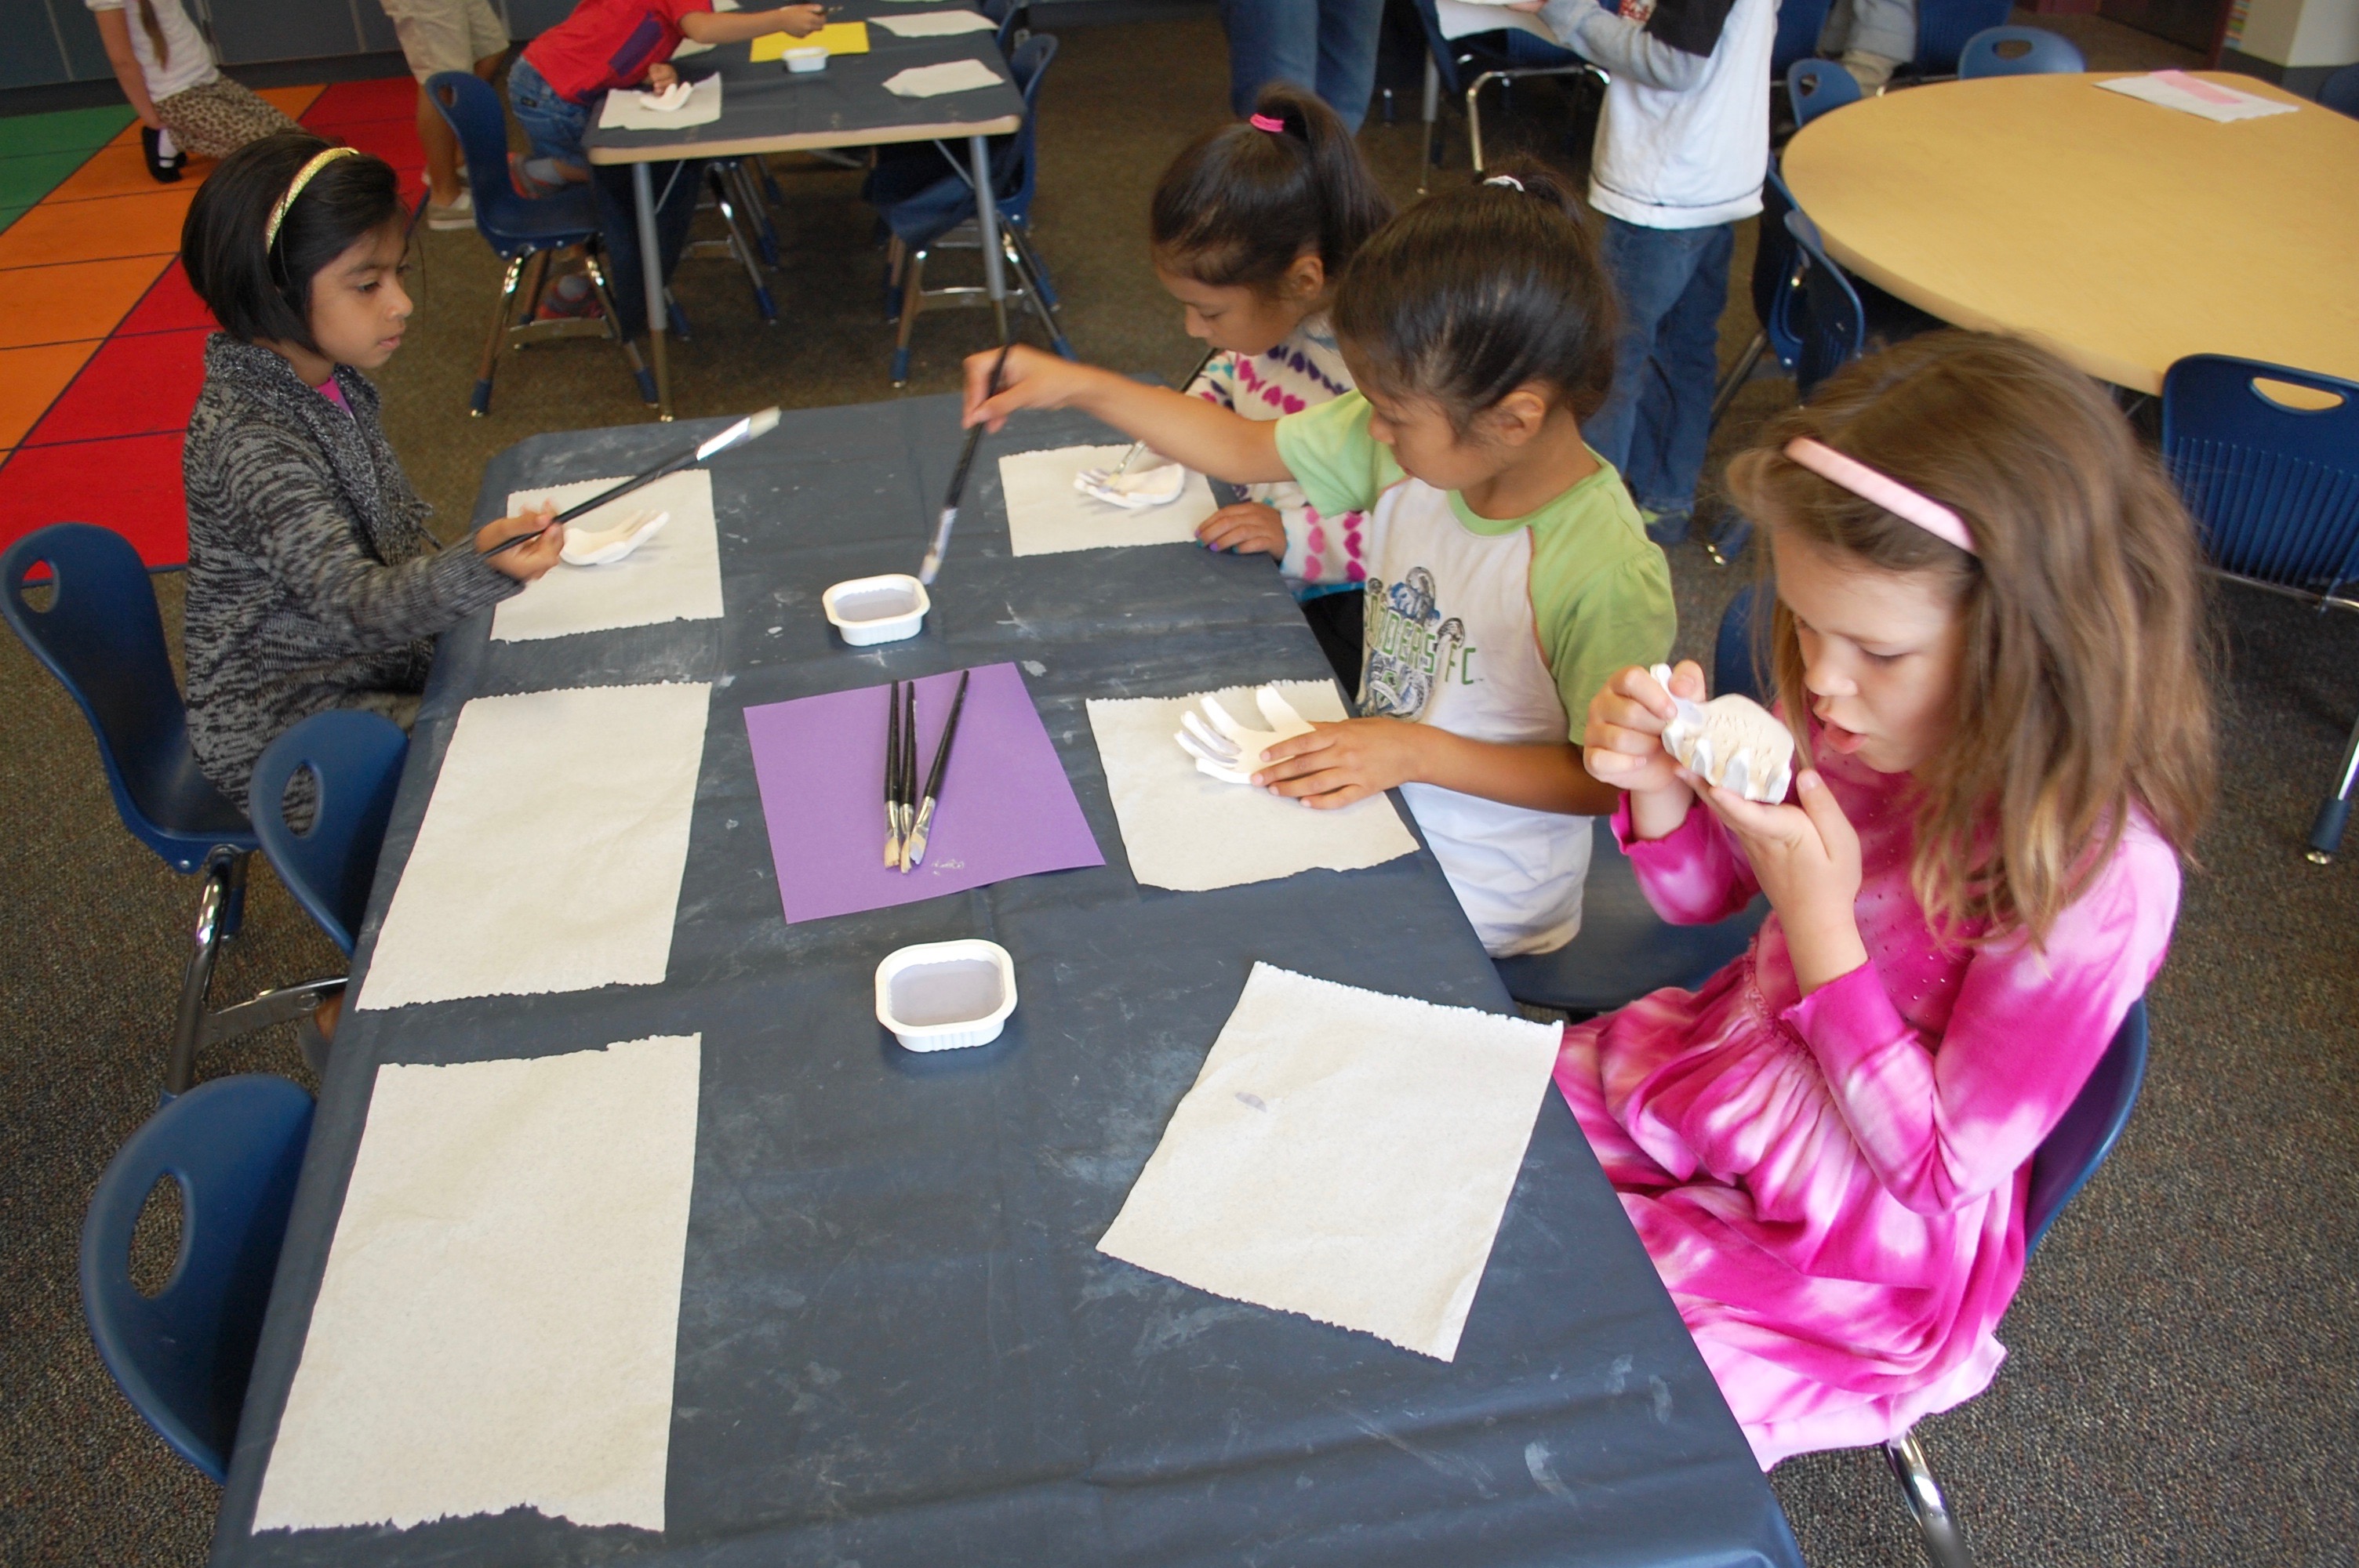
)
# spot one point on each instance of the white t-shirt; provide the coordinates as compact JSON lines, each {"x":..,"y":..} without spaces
{"x":188,"y":59}
{"x":1689,"y":160}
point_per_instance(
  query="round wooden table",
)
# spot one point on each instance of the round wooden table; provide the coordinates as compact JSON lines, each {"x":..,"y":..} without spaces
{"x":2123,"y":234}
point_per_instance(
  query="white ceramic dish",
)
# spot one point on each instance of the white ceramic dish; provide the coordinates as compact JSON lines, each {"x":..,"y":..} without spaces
{"x":946,"y":996}
{"x":803,"y":61}
{"x":877,"y":609}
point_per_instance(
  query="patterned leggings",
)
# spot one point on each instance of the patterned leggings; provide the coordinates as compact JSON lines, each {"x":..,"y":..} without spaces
{"x":219,"y":117}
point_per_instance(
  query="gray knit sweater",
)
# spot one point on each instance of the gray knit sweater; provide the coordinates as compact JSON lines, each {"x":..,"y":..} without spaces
{"x":312,"y":581}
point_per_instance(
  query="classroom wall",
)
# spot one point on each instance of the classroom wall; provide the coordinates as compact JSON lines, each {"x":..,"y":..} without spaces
{"x":56,"y":40}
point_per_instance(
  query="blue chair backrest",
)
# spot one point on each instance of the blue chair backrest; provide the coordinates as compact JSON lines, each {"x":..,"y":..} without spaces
{"x":356,"y":759}
{"x":182,"y":1357}
{"x":1015,"y":170}
{"x":2092,"y":1124}
{"x":1816,"y":86}
{"x":2018,"y":51}
{"x":1773,"y":283}
{"x":508,"y":220}
{"x":103,"y":640}
{"x":1799,"y":23}
{"x":1437,"y":48}
{"x":1943,"y":26}
{"x":2275,"y":490}
{"x":2339,"y":92}
{"x":1829,"y":322}
{"x":1732,"y":666}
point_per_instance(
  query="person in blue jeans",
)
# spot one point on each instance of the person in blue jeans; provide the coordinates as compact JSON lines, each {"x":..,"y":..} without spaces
{"x":1327,"y":46}
{"x":1682,"y":147}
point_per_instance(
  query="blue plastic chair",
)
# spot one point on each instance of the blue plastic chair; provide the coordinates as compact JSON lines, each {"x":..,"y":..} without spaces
{"x":1829,"y":325}
{"x":524,"y":232}
{"x":1773,"y":282}
{"x":182,"y":1357}
{"x":2018,"y":51}
{"x":2339,"y":92}
{"x":1815,"y":86}
{"x":103,"y":640}
{"x":924,"y":217}
{"x":354,"y":759}
{"x":1624,"y":949}
{"x":1464,"y":66}
{"x":2066,"y":1159}
{"x":2275,"y":491}
{"x":1943,"y":29}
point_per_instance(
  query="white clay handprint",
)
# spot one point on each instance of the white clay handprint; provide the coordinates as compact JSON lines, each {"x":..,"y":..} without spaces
{"x":1227,"y":750}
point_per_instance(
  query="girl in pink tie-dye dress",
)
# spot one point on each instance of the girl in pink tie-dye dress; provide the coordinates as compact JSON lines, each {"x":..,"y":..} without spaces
{"x":1986,"y":638}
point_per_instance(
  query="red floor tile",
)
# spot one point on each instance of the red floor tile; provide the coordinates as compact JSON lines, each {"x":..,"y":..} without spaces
{"x":131,"y":386}
{"x":168,"y":307}
{"x":131,"y":485}
{"x":397,"y":143}
{"x":360,"y":103}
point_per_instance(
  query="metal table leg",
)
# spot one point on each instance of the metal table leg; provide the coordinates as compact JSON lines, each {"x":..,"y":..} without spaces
{"x":643,"y":193}
{"x":986,"y":214}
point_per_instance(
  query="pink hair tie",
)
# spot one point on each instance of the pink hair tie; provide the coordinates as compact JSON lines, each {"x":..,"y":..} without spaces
{"x":1883,"y":490}
{"x":1270,"y":123}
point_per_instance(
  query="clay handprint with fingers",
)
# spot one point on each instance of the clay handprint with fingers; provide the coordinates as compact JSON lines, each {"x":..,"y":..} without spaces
{"x":1227,"y":750}
{"x":1731,"y":742}
{"x":1141,"y":487}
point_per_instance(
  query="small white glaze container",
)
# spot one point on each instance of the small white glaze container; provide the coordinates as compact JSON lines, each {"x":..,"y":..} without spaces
{"x":877,"y":609}
{"x":805,"y":59}
{"x":946,"y":996}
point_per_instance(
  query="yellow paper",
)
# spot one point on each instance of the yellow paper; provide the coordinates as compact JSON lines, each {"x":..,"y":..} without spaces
{"x":836,"y":37}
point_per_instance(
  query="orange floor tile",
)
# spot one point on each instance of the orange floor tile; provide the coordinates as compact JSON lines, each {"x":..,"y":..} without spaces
{"x":148,"y":224}
{"x":68,"y":304}
{"x":30,"y":380}
{"x":291,"y":100}
{"x":117,"y":171}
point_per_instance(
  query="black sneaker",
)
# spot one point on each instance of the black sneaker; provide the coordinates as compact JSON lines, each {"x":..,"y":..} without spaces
{"x":161,"y":169}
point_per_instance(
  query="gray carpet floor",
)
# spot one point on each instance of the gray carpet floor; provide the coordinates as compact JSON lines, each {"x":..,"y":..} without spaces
{"x":2180,"y":1386}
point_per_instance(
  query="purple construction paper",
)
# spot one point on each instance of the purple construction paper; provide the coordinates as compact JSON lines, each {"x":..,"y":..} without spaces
{"x":1006,"y":808}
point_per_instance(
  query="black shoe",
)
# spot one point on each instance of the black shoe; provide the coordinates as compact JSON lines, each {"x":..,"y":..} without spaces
{"x":161,"y":169}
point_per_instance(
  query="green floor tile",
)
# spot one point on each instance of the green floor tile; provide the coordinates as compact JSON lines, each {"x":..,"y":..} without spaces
{"x":61,"y":131}
{"x":9,"y":215}
{"x":25,"y":180}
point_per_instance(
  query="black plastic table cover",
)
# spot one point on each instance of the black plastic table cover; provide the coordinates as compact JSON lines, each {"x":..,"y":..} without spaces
{"x":898,"y":1343}
{"x":841,"y":105}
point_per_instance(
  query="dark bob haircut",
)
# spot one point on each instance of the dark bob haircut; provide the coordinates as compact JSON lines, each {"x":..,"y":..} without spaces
{"x":1241,"y":203}
{"x":259,"y":293}
{"x":1472,"y":293}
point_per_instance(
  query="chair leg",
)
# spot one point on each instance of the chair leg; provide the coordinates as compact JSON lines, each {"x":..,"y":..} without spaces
{"x":1474,"y":119}
{"x":224,"y":893}
{"x":481,"y":404}
{"x":897,"y":256}
{"x":1432,"y":109}
{"x":534,"y":285}
{"x":1036,"y":297}
{"x":1021,"y":237}
{"x":740,"y":248}
{"x":630,"y":350}
{"x":1738,"y":374}
{"x":2326,"y":832}
{"x":913,"y":299}
{"x":758,"y":211}
{"x":1944,"y":1547}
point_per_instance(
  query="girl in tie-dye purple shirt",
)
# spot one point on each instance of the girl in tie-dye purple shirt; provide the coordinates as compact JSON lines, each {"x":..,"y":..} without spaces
{"x":1827,"y":1148}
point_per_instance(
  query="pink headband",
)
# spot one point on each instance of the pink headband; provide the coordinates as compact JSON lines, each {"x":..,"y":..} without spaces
{"x":1270,"y":123}
{"x":1883,"y":490}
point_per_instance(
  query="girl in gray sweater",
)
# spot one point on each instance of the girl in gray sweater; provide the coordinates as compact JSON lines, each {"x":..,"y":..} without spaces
{"x":312,"y":580}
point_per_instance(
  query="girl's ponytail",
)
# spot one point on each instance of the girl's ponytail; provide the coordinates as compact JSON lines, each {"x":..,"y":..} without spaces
{"x":1241,"y":203}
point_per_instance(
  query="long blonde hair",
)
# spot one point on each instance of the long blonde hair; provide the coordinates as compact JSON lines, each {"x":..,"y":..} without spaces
{"x":154,"y":28}
{"x":2084,"y":688}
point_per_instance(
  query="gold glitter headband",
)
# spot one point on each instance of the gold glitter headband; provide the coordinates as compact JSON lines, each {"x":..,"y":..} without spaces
{"x":302,"y":179}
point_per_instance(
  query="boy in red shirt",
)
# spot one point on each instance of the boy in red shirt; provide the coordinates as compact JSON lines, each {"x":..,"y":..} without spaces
{"x":607,"y":44}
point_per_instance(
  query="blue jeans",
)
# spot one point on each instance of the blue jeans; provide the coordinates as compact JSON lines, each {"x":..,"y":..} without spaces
{"x":1658,"y":418}
{"x":1327,"y":46}
{"x":553,"y":125}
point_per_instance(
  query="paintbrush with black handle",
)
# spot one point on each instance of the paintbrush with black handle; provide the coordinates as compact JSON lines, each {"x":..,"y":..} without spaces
{"x":917,"y":848}
{"x":893,"y":776}
{"x":932,"y":564}
{"x":908,"y":771}
{"x":736,"y":434}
